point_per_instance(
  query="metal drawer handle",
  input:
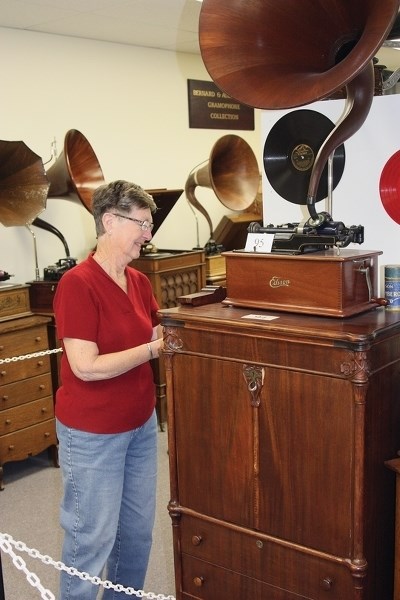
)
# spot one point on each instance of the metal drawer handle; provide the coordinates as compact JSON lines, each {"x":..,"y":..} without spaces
{"x":42,"y":387}
{"x":327,"y":583}
{"x":8,"y":421}
{"x":40,"y":363}
{"x":3,"y":373}
{"x":196,"y":540}
{"x":38,"y":338}
{"x":198,"y":581}
{"x":5,"y":398}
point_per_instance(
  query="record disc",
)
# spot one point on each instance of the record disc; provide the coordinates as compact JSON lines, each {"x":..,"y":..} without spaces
{"x":389,"y":187}
{"x":290,"y":151}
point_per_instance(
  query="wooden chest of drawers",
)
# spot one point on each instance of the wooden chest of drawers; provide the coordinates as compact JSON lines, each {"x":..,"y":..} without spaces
{"x":27,"y":424}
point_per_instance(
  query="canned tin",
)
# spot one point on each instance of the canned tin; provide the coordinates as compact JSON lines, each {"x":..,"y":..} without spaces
{"x":392,"y":287}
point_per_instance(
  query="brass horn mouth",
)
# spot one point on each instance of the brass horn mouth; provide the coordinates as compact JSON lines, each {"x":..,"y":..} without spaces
{"x":77,"y":172}
{"x":273,"y":54}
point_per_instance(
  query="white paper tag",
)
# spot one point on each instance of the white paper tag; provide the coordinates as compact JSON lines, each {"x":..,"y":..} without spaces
{"x":260,"y":317}
{"x":259,"y":242}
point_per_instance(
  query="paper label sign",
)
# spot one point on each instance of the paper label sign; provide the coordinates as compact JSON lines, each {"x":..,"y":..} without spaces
{"x":259,"y":242}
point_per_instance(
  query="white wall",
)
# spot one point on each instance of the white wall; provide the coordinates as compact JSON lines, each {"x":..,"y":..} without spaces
{"x":131,"y":104}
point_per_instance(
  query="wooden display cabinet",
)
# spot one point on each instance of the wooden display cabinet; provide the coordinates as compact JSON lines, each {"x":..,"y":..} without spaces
{"x":279,"y":427}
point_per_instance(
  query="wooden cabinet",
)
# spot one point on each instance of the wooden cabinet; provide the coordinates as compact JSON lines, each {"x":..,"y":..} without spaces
{"x":279,"y":426}
{"x":27,"y":424}
{"x":172,"y":273}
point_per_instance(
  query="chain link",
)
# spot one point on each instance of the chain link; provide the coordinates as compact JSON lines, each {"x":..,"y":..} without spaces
{"x":7,"y":543}
{"x":32,"y":355}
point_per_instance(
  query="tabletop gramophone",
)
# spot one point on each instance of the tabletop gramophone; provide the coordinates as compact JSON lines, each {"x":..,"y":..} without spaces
{"x":274,"y":55}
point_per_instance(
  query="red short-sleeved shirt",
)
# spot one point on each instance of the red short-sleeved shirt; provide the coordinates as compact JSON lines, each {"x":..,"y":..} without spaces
{"x":89,"y":305}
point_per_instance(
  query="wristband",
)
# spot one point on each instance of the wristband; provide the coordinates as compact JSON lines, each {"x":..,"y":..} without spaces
{"x":150,"y":351}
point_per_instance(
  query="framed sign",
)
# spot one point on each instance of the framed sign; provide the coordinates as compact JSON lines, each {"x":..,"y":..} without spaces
{"x":210,"y":108}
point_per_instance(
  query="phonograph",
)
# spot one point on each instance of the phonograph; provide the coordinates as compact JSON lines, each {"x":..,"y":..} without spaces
{"x":271,"y":59}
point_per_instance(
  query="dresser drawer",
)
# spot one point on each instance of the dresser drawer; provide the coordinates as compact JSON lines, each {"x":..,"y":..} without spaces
{"x":282,"y":566}
{"x":24,"y":341}
{"x":20,"y":392}
{"x":205,"y":581}
{"x":22,"y":416}
{"x":23,"y":369}
{"x":27,"y":442}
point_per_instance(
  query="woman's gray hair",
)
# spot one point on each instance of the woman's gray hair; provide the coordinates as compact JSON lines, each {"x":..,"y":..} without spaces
{"x":121,"y":196}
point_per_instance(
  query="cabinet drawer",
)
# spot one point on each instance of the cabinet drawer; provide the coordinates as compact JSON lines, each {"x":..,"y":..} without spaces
{"x":23,"y":369}
{"x":27,"y":442}
{"x":22,"y":416}
{"x":205,"y":581}
{"x":20,"y":392}
{"x":289,"y":568}
{"x":24,"y":341}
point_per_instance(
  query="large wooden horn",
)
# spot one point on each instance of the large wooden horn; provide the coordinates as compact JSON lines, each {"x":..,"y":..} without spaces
{"x":76,"y":172}
{"x":277,"y":54}
{"x":231,"y":171}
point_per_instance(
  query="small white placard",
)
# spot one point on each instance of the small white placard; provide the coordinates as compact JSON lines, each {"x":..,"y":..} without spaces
{"x":259,"y":242}
{"x":260,"y":317}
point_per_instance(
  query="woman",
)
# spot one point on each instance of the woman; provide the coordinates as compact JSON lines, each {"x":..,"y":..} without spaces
{"x":105,"y":408}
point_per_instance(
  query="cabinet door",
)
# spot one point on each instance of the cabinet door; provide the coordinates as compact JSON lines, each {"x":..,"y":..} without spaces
{"x":284,"y":466}
{"x":214,"y":439}
{"x":307,"y":460}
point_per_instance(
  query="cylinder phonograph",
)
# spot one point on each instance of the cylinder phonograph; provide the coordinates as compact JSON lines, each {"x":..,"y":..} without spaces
{"x":273,"y":55}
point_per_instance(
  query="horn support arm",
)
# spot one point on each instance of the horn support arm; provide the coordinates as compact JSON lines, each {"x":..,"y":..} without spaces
{"x":190,"y":187}
{"x":359,"y":96}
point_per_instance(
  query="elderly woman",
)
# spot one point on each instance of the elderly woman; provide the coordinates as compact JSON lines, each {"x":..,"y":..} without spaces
{"x":105,"y":407}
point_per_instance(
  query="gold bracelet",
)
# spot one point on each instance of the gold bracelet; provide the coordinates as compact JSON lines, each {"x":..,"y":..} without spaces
{"x":150,"y":351}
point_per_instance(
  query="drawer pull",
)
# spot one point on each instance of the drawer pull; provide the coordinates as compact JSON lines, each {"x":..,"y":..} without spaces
{"x":40,"y":363}
{"x":8,"y":421}
{"x":327,"y":583}
{"x":198,"y":581}
{"x":42,"y":387}
{"x":5,"y":398}
{"x":47,"y":434}
{"x":44,"y":410}
{"x":1,"y":347}
{"x":11,"y":447}
{"x":3,"y":373}
{"x":38,"y":338}
{"x":196,"y":540}
{"x":260,"y":544}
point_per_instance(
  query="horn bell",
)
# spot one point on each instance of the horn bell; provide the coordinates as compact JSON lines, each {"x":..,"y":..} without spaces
{"x":277,"y":54}
{"x":77,"y":172}
{"x":231,"y":171}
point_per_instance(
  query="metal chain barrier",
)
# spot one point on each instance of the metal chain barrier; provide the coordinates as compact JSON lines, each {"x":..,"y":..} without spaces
{"x":7,"y":542}
{"x":26,"y":356}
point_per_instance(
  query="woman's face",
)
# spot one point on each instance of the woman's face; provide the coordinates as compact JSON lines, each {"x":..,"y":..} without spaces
{"x":127,"y":234}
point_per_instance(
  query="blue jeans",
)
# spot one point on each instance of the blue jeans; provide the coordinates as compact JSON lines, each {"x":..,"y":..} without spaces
{"x":108,"y":507}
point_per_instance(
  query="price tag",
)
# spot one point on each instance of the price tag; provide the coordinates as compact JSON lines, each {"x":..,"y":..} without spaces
{"x":259,"y":242}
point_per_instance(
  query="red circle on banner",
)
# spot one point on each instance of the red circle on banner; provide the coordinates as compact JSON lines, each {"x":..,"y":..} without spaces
{"x":389,"y":187}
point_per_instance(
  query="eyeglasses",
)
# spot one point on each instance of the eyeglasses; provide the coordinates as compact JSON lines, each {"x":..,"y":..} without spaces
{"x":144,"y":225}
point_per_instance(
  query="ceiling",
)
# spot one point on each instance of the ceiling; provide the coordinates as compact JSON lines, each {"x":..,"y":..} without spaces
{"x":166,"y":24}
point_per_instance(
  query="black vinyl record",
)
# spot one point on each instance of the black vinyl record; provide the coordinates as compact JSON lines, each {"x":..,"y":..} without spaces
{"x":290,"y":150}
